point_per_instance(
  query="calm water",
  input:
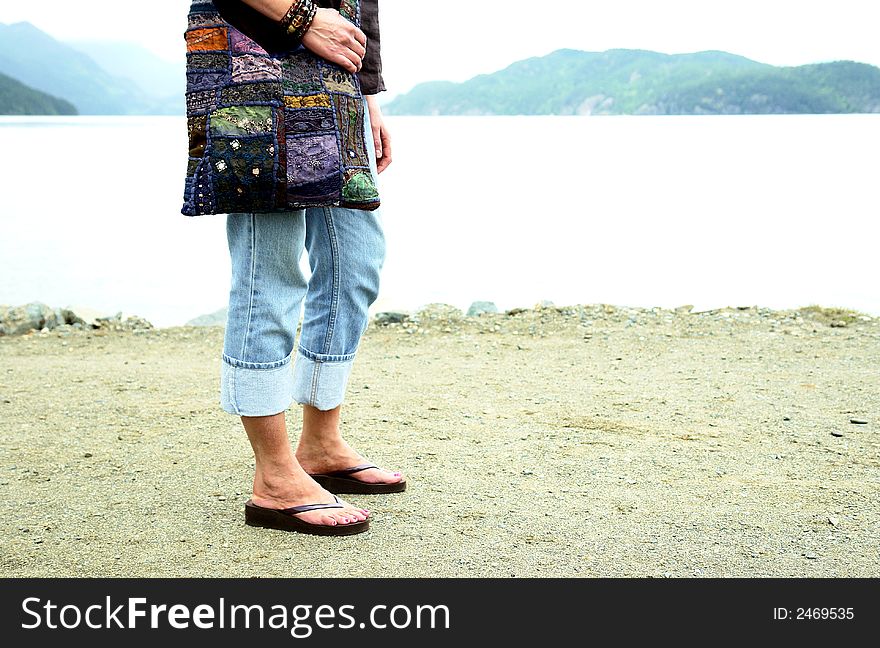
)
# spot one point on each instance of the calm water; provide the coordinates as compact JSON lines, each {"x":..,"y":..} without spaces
{"x":779,"y":211}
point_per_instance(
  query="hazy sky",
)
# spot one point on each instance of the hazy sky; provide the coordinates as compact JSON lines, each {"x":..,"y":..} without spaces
{"x":456,"y":39}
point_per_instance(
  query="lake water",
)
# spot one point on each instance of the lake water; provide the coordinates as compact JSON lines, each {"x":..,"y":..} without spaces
{"x":778,"y":211}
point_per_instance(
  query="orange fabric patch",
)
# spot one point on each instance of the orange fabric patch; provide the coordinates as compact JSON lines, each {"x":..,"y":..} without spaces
{"x":202,"y":40}
{"x":310,"y":101}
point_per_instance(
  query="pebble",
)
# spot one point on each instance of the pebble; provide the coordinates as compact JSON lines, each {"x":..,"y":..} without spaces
{"x":858,"y":421}
{"x":833,"y":521}
{"x":837,"y":433}
{"x":811,"y":556}
{"x":391,"y":317}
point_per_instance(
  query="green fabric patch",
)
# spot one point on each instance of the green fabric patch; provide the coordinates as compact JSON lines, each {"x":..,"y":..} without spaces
{"x":360,"y":188}
{"x":241,"y":120}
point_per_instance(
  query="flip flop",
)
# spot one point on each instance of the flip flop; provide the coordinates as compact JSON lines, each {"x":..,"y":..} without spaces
{"x":339,"y":481}
{"x":283,"y":519}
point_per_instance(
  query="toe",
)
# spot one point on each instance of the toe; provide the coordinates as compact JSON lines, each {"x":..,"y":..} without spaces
{"x":390,"y":477}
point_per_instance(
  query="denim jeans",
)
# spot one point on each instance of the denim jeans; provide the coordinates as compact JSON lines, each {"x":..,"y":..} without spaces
{"x":262,"y":371}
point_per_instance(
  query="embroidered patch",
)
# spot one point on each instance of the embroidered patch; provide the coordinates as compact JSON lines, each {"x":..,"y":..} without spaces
{"x":359,"y":186}
{"x":242,"y":44}
{"x":200,"y":80}
{"x":350,"y":9}
{"x":311,"y":159}
{"x":338,"y":80}
{"x":311,"y":101}
{"x":350,"y":117}
{"x":253,"y":93}
{"x":197,"y":128}
{"x":208,"y":61}
{"x":197,"y":20}
{"x":201,"y":102}
{"x":202,"y":188}
{"x":309,"y":121}
{"x":241,"y":171}
{"x":205,"y":40}
{"x":298,"y":77}
{"x":250,"y":67}
{"x":241,"y":120}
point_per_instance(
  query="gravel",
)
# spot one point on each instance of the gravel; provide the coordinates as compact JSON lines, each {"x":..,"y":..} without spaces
{"x":589,"y":440}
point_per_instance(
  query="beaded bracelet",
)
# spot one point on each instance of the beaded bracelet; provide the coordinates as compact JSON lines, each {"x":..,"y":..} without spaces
{"x":298,"y":19}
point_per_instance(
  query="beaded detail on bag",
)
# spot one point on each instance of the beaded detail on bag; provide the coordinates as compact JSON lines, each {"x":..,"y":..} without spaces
{"x":270,"y":130}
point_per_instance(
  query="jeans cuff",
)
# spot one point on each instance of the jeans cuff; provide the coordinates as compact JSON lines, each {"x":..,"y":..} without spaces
{"x":255,"y":392}
{"x":320,"y":382}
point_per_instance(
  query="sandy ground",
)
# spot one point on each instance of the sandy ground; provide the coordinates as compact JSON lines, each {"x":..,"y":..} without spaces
{"x":584,"y":441}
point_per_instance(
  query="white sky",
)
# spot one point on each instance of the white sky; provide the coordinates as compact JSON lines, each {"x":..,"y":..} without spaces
{"x":455,"y":39}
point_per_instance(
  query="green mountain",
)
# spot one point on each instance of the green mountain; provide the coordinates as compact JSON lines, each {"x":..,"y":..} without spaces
{"x":632,"y":82}
{"x":38,"y":60}
{"x":163,"y":81}
{"x":18,"y":99}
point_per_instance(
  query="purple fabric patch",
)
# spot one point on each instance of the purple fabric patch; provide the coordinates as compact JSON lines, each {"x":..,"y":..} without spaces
{"x":249,"y":67}
{"x":242,"y":44}
{"x":311,"y":159}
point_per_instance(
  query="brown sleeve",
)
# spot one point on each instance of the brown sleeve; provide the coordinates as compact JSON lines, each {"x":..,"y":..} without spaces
{"x":371,"y":72}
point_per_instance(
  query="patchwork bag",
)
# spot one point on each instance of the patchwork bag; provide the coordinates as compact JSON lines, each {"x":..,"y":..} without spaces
{"x":270,"y":128}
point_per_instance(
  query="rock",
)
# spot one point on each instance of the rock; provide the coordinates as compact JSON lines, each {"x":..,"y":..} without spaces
{"x":437,"y":311}
{"x":838,"y":324}
{"x":119,"y":322}
{"x":833,"y":521}
{"x":481,"y":307}
{"x":83,"y":315}
{"x":217,"y":318}
{"x":682,"y":310}
{"x":857,"y":421}
{"x":811,"y":556}
{"x":391,"y":317}
{"x":18,"y":320}
{"x":836,"y":433}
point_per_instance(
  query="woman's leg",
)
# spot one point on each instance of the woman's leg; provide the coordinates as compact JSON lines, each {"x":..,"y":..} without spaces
{"x":256,"y":379}
{"x":346,"y":253}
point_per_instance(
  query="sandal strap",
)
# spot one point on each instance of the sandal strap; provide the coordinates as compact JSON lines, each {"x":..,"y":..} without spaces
{"x":350,"y":471}
{"x":305,"y":508}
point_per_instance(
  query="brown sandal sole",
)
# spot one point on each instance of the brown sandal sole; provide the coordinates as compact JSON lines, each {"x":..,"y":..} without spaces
{"x":283,"y":520}
{"x":347,"y":485}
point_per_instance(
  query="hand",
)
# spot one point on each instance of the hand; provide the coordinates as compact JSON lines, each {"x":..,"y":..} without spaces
{"x":381,"y":136}
{"x":335,"y":39}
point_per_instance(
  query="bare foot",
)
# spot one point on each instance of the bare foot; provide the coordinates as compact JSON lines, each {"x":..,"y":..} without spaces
{"x":289,"y":486}
{"x":322,"y":449}
{"x":331,"y":453}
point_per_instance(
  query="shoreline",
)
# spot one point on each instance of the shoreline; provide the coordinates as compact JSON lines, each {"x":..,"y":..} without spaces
{"x":46,"y":319}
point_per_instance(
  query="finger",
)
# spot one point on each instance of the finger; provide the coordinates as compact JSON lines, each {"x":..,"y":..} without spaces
{"x":360,"y":36}
{"x":386,"y":150}
{"x":377,"y":141}
{"x":357,"y":48}
{"x":354,"y":58}
{"x":344,"y":62}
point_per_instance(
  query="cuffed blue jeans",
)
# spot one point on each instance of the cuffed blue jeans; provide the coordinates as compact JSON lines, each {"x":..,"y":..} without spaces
{"x":263,"y":370}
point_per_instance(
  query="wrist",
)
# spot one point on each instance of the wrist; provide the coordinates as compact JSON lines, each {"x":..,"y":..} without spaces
{"x":298,"y":19}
